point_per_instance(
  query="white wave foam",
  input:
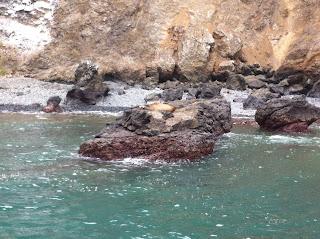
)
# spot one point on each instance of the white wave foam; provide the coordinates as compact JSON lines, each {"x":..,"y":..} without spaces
{"x":289,"y":139}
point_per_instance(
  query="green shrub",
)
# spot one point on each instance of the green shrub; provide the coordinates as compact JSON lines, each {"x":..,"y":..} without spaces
{"x":2,"y":71}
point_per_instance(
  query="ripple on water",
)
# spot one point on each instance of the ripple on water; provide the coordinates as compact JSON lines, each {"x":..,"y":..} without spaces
{"x":237,"y":192}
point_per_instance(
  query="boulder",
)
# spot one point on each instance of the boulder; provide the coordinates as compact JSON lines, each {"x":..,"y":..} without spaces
{"x":295,"y":83}
{"x":258,"y":98}
{"x":183,"y":130}
{"x":221,"y":76}
{"x":152,"y":97}
{"x":151,"y":81}
{"x":172,"y":95}
{"x":277,"y":88}
{"x":254,"y":82}
{"x":296,"y":89}
{"x":170,"y":84}
{"x":269,"y":80}
{"x":287,"y":114}
{"x":296,"y":79}
{"x":236,"y":82}
{"x":89,"y":95}
{"x":53,"y":105}
{"x":89,"y":87}
{"x":118,"y":143}
{"x":227,"y":66}
{"x":243,"y":69}
{"x":85,"y":73}
{"x":208,"y":91}
{"x":315,"y":91}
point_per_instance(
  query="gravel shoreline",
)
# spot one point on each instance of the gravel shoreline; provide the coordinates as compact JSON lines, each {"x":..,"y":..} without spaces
{"x":20,"y":94}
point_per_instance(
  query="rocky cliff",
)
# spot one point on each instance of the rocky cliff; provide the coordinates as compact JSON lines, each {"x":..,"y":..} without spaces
{"x":188,"y":39}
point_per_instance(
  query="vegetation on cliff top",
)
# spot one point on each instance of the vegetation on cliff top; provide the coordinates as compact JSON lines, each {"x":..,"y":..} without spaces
{"x":9,"y":62}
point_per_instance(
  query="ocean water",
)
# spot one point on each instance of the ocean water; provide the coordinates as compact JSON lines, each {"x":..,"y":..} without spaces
{"x":255,"y":185}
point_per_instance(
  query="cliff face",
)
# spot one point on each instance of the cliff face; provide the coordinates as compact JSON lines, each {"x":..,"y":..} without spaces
{"x":24,"y":30}
{"x":130,"y":39}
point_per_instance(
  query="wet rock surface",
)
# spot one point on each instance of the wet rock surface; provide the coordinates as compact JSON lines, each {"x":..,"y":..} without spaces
{"x":121,"y":144}
{"x":53,"y":105}
{"x":287,"y":114}
{"x":184,"y":130}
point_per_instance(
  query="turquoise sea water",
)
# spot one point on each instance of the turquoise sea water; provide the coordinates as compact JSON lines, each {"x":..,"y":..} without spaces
{"x":255,"y":185}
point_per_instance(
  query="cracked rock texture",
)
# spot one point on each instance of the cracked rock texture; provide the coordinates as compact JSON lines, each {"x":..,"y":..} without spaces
{"x":189,"y":38}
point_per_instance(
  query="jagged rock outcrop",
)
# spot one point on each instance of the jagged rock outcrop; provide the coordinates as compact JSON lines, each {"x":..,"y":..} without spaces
{"x":287,"y":114}
{"x":182,"y":130}
{"x":89,"y":87}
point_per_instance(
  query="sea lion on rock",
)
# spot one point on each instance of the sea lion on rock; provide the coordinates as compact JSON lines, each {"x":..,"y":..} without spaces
{"x":160,"y":107}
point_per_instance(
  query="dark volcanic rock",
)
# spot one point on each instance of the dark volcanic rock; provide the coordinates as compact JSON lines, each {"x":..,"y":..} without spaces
{"x":89,"y":86}
{"x":315,"y":91}
{"x":208,"y":91}
{"x":236,"y":82}
{"x":85,"y":73}
{"x":89,"y":95}
{"x":296,"y":89}
{"x":204,"y":115}
{"x":152,"y":97}
{"x":221,"y":76}
{"x":254,"y":69}
{"x":184,"y":130}
{"x":287,"y":114}
{"x":121,"y":143}
{"x":254,"y":82}
{"x":277,"y":88}
{"x":53,"y":105}
{"x":258,"y":98}
{"x":172,"y":95}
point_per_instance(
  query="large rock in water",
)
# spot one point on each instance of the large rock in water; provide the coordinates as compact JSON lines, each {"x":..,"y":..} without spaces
{"x":184,"y":130}
{"x":287,"y":114}
{"x":53,"y":105}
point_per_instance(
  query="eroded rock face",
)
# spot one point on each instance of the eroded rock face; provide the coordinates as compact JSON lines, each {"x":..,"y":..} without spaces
{"x":188,"y":39}
{"x":183,"y":130}
{"x":287,"y":114}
